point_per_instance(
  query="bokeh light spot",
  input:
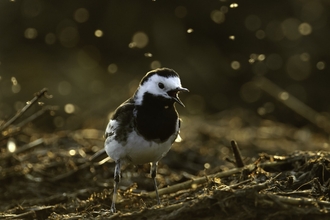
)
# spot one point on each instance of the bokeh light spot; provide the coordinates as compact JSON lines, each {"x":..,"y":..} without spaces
{"x":58,"y":121}
{"x":16,"y":88}
{"x":64,"y":88}
{"x":98,"y":33}
{"x":254,"y":56}
{"x":190,"y":30}
{"x":267,"y":108}
{"x":112,"y":68}
{"x":132,"y":45}
{"x":290,"y":28}
{"x":305,"y":56}
{"x":261,"y":111}
{"x":69,"y":108}
{"x":155,"y":64}
{"x":14,"y":80}
{"x":81,"y":15}
{"x":72,"y":152}
{"x":218,"y":16}
{"x":320,"y":65}
{"x":260,"y":34}
{"x":207,"y":166}
{"x":50,"y":38}
{"x":30,"y":33}
{"x":235,"y":65}
{"x":148,"y":54}
{"x":283,"y":96}
{"x":11,"y":145}
{"x":139,"y":40}
{"x":261,"y":57}
{"x":305,"y":29}
{"x":233,"y":5}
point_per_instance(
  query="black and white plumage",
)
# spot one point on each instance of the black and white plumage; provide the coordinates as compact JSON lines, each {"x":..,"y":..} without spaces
{"x":144,"y":127}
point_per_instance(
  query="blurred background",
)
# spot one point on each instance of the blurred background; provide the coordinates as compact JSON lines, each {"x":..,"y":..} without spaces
{"x":91,"y":55}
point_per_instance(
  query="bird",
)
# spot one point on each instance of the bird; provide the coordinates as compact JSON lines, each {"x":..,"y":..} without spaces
{"x":143,"y":128}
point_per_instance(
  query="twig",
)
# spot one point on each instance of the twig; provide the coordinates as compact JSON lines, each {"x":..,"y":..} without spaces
{"x":295,"y":201}
{"x":37,"y":114}
{"x":18,"y":127}
{"x":89,"y":162}
{"x":189,"y":183}
{"x":201,"y":180}
{"x":18,"y":216}
{"x":301,"y":193}
{"x":101,"y":153}
{"x":237,"y":154}
{"x":233,"y":186}
{"x":278,"y":165}
{"x":304,"y":184}
{"x":31,"y":211}
{"x":23,"y":148}
{"x":168,"y":209}
{"x":293,"y":103}
{"x":37,"y":96}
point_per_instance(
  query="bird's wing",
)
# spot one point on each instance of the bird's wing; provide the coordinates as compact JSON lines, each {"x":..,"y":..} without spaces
{"x":178,"y":137}
{"x":126,"y":107}
{"x":122,"y":118}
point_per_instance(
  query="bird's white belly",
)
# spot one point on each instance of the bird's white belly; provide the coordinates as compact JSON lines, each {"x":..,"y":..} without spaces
{"x":137,"y":150}
{"x":141,"y":151}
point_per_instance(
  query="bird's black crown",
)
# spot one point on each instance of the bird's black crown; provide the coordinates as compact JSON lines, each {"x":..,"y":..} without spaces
{"x":164,"y":72}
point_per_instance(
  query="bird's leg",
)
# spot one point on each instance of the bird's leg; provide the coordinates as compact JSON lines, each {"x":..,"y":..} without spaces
{"x":115,"y":187}
{"x":153,"y":172}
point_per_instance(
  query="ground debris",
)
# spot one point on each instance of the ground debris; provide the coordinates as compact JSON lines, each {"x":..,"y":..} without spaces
{"x":66,"y":175}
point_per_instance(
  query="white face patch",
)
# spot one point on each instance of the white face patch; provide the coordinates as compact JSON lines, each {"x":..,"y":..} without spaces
{"x":152,"y":86}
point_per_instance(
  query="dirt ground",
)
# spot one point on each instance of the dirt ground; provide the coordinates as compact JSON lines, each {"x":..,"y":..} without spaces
{"x":60,"y":176}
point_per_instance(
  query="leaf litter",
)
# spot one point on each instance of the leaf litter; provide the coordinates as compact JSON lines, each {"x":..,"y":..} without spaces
{"x":277,"y":172}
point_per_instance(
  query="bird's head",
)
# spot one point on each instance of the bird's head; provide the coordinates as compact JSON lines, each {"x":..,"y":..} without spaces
{"x":162,"y":82}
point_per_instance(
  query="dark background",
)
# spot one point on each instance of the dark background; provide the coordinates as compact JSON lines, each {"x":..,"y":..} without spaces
{"x":56,"y":44}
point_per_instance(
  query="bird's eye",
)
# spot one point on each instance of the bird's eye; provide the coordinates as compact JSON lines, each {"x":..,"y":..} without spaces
{"x":161,"y":85}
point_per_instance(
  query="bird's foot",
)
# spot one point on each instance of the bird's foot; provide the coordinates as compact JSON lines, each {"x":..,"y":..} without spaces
{"x":113,"y":208}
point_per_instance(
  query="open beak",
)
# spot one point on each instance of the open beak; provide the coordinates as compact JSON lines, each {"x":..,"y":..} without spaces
{"x":175,"y":94}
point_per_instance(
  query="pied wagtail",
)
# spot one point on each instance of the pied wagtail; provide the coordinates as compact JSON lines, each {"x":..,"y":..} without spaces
{"x":143,"y":128}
